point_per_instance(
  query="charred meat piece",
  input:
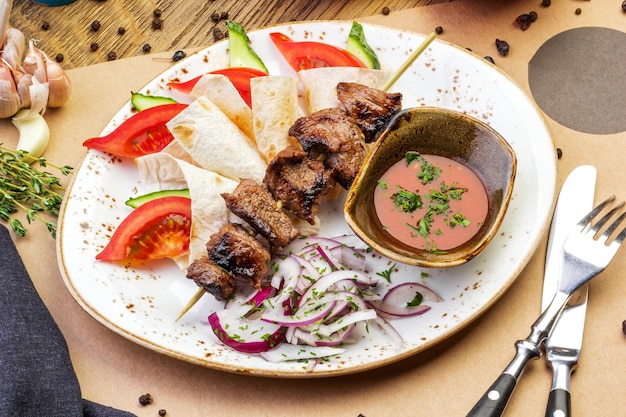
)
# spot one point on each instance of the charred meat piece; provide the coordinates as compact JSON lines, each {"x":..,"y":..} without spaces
{"x":372,"y":108}
{"x":238,"y":252}
{"x":254,"y":204}
{"x":333,"y":135}
{"x":208,"y":275}
{"x":298,"y":181}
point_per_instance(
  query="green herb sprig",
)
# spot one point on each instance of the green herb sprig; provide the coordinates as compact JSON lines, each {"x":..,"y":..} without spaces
{"x":25,"y":188}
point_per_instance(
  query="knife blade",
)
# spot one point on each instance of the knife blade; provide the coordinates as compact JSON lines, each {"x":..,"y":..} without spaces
{"x":564,"y":343}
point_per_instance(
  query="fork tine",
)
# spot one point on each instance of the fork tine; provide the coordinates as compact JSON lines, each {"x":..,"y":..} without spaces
{"x":614,"y":227}
{"x":593,"y":213}
{"x":606,"y":218}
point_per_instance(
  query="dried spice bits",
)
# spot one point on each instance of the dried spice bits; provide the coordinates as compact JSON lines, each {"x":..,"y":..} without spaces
{"x":145,"y":399}
{"x":178,"y":55}
{"x":524,"y":20}
{"x":502,"y":47}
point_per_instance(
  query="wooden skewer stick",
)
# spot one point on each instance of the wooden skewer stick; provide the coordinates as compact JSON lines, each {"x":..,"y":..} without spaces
{"x":194,"y":299}
{"x":391,"y":81}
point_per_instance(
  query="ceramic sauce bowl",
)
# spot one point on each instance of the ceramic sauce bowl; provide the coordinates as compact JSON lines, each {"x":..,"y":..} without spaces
{"x":441,"y":132}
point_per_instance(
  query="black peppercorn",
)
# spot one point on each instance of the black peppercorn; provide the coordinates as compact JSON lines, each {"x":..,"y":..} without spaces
{"x":111,"y":56}
{"x":94,"y":46}
{"x":157,"y":23}
{"x":162,"y":412}
{"x":438,"y":30}
{"x":217,"y":34}
{"x":546,"y":3}
{"x":624,"y":6}
{"x":45,"y":26}
{"x":59,"y":58}
{"x":386,"y":10}
{"x":145,"y":399}
{"x":578,"y":10}
{"x":522,"y":21}
{"x":95,"y":26}
{"x":624,"y":327}
{"x":215,"y":17}
{"x":121,"y":31}
{"x":146,"y":47}
{"x":532,"y":16}
{"x":178,"y":55}
{"x":224,"y":15}
{"x":490,"y":59}
{"x":502,"y":47}
{"x":559,"y":153}
{"x":157,"y":13}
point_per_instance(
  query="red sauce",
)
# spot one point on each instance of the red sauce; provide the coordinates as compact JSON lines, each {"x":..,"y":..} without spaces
{"x":438,"y":215}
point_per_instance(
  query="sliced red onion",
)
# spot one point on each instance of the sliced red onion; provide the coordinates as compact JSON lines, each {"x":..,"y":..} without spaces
{"x":397,"y":301}
{"x":302,"y":317}
{"x":317,"y":296}
{"x":406,"y":292}
{"x":244,"y":335}
{"x":287,"y":352}
{"x":344,"y":321}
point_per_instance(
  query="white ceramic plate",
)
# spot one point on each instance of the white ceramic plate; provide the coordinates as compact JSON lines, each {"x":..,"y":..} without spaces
{"x":142,"y":302}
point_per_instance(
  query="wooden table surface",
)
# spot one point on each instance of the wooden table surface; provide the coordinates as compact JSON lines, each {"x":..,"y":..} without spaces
{"x":67,"y":30}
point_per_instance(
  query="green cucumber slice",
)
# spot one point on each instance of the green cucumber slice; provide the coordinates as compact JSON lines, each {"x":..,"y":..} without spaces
{"x":135,"y":202}
{"x":358,"y":46}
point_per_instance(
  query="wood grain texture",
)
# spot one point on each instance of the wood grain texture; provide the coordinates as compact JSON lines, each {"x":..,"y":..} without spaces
{"x":186,"y":23}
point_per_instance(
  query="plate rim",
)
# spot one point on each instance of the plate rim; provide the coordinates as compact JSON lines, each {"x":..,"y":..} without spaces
{"x":232,"y":368}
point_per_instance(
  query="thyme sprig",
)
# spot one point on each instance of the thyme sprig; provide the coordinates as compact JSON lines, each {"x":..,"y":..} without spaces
{"x":25,"y":188}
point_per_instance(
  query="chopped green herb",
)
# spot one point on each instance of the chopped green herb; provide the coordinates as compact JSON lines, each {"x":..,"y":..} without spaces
{"x":406,"y":201}
{"x":428,"y":173}
{"x":458,"y":220}
{"x":412,"y":156}
{"x":382,"y":184}
{"x":452,"y":191}
{"x":417,"y":300}
{"x":387,"y":273}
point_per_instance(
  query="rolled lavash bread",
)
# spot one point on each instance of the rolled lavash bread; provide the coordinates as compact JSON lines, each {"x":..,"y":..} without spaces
{"x":215,"y":143}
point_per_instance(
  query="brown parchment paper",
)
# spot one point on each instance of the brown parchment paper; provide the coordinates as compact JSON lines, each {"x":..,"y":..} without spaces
{"x":446,"y":380}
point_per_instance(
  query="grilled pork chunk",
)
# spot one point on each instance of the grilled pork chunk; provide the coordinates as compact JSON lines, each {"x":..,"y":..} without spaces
{"x":298,"y":181}
{"x":254,"y":204}
{"x":208,"y":275}
{"x":332,"y":135}
{"x":371,"y":108}
{"x":234,"y":249}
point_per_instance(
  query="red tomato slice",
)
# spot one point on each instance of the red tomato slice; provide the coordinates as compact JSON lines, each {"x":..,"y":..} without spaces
{"x":160,"y":228}
{"x":141,"y":134}
{"x":308,"y":54}
{"x":239,"y":76}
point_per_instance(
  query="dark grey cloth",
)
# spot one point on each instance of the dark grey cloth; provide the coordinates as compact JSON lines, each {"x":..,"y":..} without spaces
{"x":36,"y":375}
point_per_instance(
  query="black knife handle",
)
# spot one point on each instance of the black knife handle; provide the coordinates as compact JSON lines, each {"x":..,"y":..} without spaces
{"x":559,"y":403}
{"x":495,"y":399}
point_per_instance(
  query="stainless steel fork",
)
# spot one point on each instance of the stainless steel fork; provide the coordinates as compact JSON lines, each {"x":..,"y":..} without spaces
{"x":584,"y":256}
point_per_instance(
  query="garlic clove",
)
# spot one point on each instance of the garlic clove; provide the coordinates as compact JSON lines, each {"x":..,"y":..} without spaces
{"x":23,"y":81}
{"x":38,"y":95}
{"x":34,"y":63}
{"x":9,"y":99}
{"x":59,"y":83}
{"x":14,"y":48}
{"x":5,"y":12}
{"x":34,"y":133}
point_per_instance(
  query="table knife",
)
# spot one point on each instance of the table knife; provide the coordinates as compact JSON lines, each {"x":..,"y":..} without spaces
{"x":564,"y":343}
